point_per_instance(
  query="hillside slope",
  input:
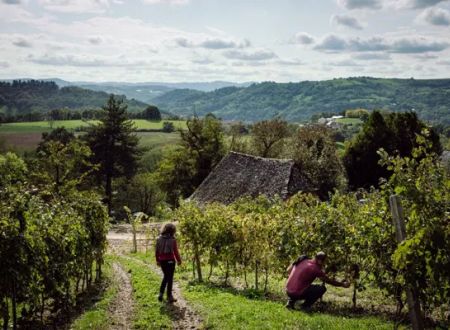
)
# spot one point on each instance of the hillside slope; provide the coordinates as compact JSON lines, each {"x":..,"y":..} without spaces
{"x":299,"y":101}
{"x":20,"y":97}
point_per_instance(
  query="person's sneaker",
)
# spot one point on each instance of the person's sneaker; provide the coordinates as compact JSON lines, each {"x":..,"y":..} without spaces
{"x":289,"y":306}
{"x":171,"y":299}
{"x":160,"y":297}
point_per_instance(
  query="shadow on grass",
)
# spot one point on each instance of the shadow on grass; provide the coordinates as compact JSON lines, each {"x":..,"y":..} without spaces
{"x":324,"y":307}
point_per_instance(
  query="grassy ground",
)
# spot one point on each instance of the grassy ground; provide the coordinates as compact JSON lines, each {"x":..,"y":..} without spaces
{"x":24,"y":137}
{"x":150,"y":314}
{"x":44,"y":126}
{"x":223,"y":307}
{"x":97,"y":316}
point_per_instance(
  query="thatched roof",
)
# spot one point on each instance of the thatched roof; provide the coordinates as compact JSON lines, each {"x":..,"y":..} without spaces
{"x":244,"y":175}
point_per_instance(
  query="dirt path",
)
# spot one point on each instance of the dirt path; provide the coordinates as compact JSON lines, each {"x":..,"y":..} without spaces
{"x":121,"y":309}
{"x":183,"y":315}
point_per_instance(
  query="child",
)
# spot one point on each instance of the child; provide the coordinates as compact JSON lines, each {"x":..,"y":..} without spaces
{"x":166,"y":253}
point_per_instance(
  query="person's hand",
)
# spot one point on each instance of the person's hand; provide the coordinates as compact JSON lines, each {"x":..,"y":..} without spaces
{"x":179,"y":263}
{"x":345,"y":284}
{"x":158,"y":264}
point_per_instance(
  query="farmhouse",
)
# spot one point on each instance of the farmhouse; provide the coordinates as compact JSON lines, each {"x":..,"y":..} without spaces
{"x":244,"y":175}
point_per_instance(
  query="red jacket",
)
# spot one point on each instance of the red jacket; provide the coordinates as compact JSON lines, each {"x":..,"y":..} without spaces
{"x":162,"y":256}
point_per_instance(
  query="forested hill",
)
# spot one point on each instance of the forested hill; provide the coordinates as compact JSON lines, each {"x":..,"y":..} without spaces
{"x":299,"y":101}
{"x":21,"y":97}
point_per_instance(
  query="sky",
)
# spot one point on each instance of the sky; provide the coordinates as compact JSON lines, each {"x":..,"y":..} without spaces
{"x":229,"y":40}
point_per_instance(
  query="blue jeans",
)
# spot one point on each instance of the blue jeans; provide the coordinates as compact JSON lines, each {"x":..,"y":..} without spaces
{"x":310,"y":295}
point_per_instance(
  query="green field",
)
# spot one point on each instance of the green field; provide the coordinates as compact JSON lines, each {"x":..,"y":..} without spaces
{"x":44,"y":126}
{"x":25,"y":136}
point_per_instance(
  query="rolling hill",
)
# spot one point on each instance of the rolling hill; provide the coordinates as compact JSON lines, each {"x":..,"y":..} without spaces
{"x":20,"y":97}
{"x":299,"y":101}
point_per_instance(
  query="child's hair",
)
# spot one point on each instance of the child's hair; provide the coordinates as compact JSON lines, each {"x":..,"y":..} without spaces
{"x":169,"y":229}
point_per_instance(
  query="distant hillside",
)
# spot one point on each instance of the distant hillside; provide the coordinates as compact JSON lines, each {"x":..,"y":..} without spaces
{"x":20,"y":97}
{"x":145,"y":91}
{"x":299,"y":101}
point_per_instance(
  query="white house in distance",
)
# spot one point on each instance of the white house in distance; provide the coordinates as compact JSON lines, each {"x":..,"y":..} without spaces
{"x":330,"y":122}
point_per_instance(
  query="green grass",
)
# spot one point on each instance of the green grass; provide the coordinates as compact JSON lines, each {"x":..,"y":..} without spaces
{"x":228,"y":308}
{"x":97,"y":316}
{"x":159,"y":140}
{"x":44,"y":126}
{"x":222,"y":309}
{"x":149,"y":313}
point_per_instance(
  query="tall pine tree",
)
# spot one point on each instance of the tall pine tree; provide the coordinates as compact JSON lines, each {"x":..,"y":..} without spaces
{"x":114,"y":145}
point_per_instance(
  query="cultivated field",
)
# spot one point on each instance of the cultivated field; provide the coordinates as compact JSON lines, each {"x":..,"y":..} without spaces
{"x":25,"y":136}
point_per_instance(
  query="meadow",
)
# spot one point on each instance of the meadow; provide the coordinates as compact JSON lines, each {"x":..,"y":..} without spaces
{"x":25,"y":136}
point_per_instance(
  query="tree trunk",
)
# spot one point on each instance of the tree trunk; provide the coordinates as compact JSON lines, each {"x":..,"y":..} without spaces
{"x":199,"y":266}
{"x":256,"y":274}
{"x":266,"y":280}
{"x":108,"y":192}
{"x":5,"y":313}
{"x":14,"y":305}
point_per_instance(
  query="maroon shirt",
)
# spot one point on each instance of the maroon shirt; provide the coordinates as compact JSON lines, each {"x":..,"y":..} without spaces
{"x":174,"y":255}
{"x":302,"y":276}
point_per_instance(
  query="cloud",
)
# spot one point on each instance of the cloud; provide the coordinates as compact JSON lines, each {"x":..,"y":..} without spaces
{"x":361,"y":4}
{"x":4,"y":64}
{"x":75,"y":6}
{"x":436,"y":16}
{"x":422,"y":3}
{"x":85,"y":61}
{"x":23,"y":43}
{"x":168,"y":2}
{"x":406,"y":45}
{"x":95,"y":40}
{"x":11,"y":2}
{"x":257,"y":55}
{"x":345,"y":62}
{"x":372,"y":56}
{"x":302,"y":38}
{"x":212,"y":43}
{"x":348,"y":21}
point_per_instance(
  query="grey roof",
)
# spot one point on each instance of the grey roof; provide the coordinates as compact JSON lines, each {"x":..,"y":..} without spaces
{"x":244,"y":175}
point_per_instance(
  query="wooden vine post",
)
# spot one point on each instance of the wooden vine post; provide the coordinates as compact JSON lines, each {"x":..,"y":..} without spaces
{"x":415,"y":314}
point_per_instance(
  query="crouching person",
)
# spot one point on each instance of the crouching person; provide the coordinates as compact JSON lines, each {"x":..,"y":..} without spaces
{"x":166,"y":253}
{"x":302,"y":274}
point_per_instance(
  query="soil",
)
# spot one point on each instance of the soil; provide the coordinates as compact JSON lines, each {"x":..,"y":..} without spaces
{"x":121,"y":309}
{"x":182,"y":314}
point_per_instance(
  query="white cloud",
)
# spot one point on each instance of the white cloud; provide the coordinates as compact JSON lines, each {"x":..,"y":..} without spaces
{"x":406,"y":45}
{"x":302,"y":38}
{"x":75,"y":6}
{"x":436,"y":16}
{"x":422,"y":3}
{"x":22,"y":42}
{"x":168,"y":2}
{"x":255,"y":55}
{"x":212,"y":43}
{"x":347,"y":21}
{"x":361,"y":4}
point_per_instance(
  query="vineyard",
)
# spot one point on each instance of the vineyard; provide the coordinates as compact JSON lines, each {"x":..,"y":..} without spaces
{"x":51,"y":248}
{"x":54,"y":241}
{"x":261,"y":237}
